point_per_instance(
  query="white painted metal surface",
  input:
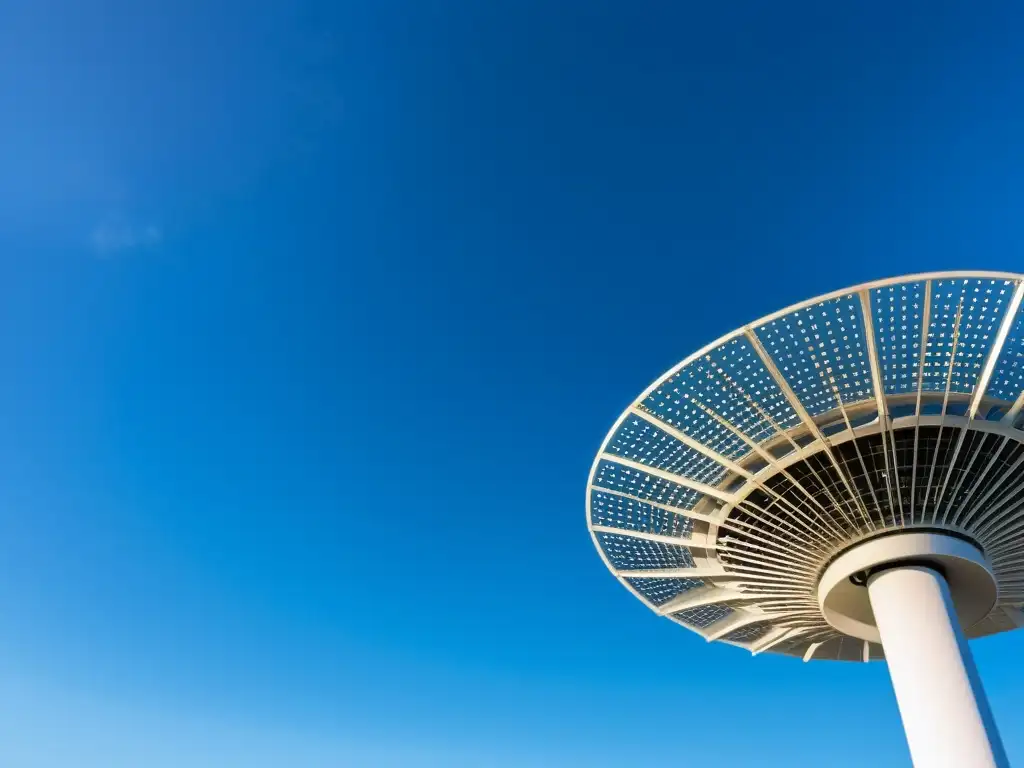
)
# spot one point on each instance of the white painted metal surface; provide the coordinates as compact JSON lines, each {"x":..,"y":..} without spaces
{"x":844,"y":601}
{"x":748,"y":468}
{"x":942,"y":704}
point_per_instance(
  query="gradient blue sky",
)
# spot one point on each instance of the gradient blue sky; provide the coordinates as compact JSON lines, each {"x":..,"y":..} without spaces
{"x":313,"y":316}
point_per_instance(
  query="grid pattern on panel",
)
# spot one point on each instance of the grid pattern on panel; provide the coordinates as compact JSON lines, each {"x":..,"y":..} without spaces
{"x":633,"y":554}
{"x":749,"y":633}
{"x":820,"y":350}
{"x":897,"y":313}
{"x":937,"y":490}
{"x":738,"y":363}
{"x":703,"y":616}
{"x":614,"y":511}
{"x":639,"y":440}
{"x":660,"y":591}
{"x":732,"y":383}
{"x":1007,"y":380}
{"x":675,"y":402}
{"x":970,"y":311}
{"x":636,"y":483}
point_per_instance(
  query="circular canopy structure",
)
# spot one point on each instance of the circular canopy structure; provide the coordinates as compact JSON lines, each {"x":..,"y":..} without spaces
{"x":746,"y":489}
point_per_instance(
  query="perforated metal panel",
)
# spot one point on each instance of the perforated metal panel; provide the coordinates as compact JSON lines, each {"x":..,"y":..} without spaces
{"x":820,"y":350}
{"x":898,"y":312}
{"x":703,"y":616}
{"x":641,"y":485}
{"x":660,"y":591}
{"x":630,"y":553}
{"x":614,"y":511}
{"x":729,"y":384}
{"x":748,"y":633}
{"x":639,"y":440}
{"x":1008,"y":378}
{"x":965,"y":315}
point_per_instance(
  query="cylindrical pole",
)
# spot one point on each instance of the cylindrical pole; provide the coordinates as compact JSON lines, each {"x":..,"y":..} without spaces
{"x":945,"y":714}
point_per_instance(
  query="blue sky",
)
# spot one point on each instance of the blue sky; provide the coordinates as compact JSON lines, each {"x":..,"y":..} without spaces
{"x":313,"y":316}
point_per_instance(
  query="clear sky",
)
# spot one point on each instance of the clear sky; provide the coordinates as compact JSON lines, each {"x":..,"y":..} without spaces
{"x":312,"y":318}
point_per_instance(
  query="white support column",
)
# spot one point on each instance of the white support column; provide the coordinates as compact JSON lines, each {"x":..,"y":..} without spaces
{"x":945,"y":714}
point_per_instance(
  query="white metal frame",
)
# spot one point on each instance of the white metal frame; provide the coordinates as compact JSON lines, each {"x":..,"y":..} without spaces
{"x":773,"y":579}
{"x":945,"y":713}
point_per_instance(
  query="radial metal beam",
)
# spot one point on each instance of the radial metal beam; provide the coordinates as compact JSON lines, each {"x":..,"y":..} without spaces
{"x":694,"y":541}
{"x":774,"y":541}
{"x":822,"y":520}
{"x":1015,"y":409}
{"x":945,"y":406}
{"x":672,"y":477}
{"x":831,"y":382}
{"x":737,"y":620}
{"x":714,"y":455}
{"x":695,"y":598}
{"x":925,"y":322}
{"x":992,"y":516}
{"x":997,"y":348}
{"x":964,"y":512}
{"x":689,"y":442}
{"x":812,"y":649}
{"x":665,"y":507}
{"x":782,"y":545}
{"x":877,"y":386}
{"x":736,"y":549}
{"x":974,"y":453}
{"x":752,"y":564}
{"x":982,"y":384}
{"x":774,"y":637}
{"x":697,"y":572}
{"x":762,"y":579}
{"x":808,"y":538}
{"x":805,"y":417}
{"x":780,"y":381}
{"x":739,"y":547}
